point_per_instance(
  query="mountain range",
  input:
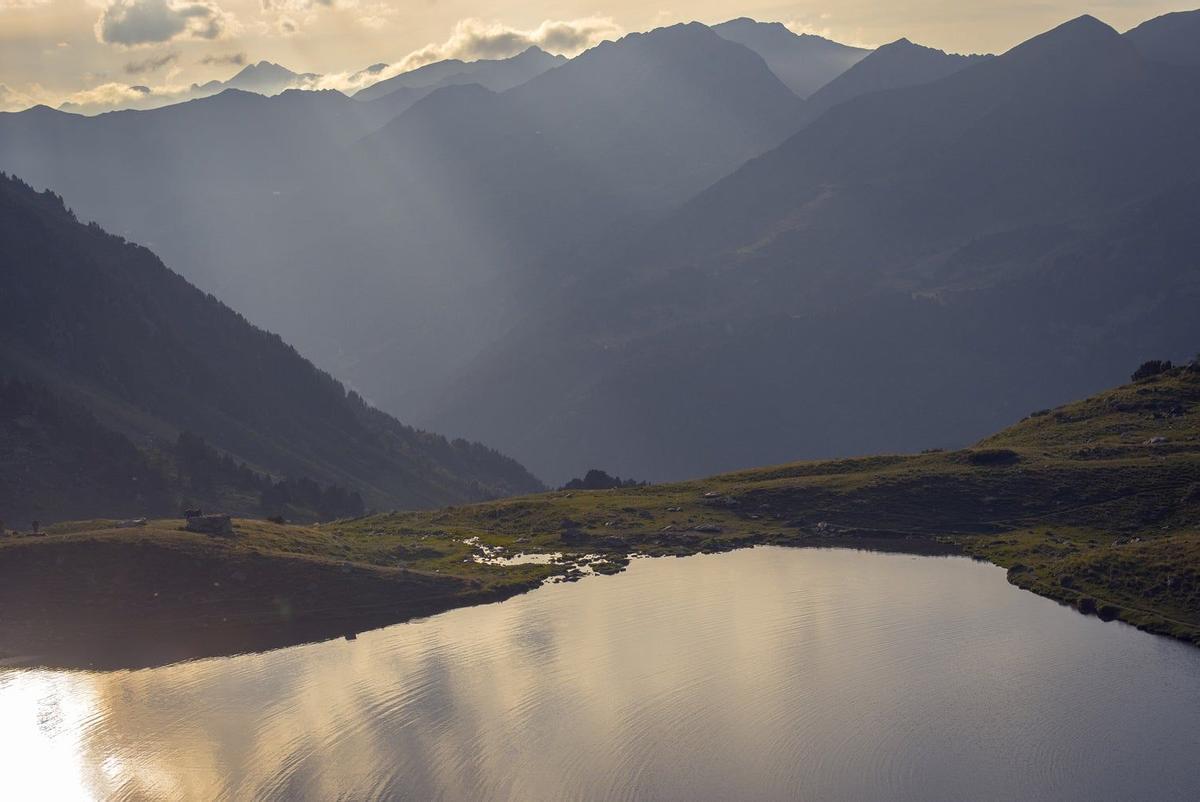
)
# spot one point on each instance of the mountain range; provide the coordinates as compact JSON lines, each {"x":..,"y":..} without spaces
{"x":692,"y":249}
{"x":289,"y":205}
{"x":908,"y":269}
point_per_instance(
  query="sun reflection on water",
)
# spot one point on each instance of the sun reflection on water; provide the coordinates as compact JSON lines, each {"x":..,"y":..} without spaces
{"x":43,"y":722}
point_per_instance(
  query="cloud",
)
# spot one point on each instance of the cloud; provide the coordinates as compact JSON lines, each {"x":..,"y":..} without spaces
{"x":299,"y":5}
{"x":13,"y":100}
{"x":4,"y":4}
{"x":108,"y":96}
{"x":375,"y":15}
{"x":150,"y":64}
{"x":141,"y":22}
{"x":473,"y":38}
{"x":228,"y":59}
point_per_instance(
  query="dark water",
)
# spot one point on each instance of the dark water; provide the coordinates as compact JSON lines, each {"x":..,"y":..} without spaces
{"x":764,"y":674}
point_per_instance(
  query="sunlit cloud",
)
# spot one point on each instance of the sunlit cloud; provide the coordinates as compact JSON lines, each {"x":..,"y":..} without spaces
{"x":14,"y":100}
{"x":474,"y":38}
{"x":108,"y":96}
{"x":142,"y":22}
{"x":375,"y":15}
{"x":296,"y":5}
{"x":822,"y":25}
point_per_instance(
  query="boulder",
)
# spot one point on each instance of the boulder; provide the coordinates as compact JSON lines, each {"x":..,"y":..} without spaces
{"x":210,"y":524}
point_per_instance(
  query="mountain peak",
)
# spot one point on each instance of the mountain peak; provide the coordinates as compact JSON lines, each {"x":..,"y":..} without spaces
{"x":267,"y":67}
{"x":1084,"y":45}
{"x":1074,"y":35}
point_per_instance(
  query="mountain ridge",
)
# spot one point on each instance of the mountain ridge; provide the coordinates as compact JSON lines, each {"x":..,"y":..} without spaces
{"x":804,"y":62}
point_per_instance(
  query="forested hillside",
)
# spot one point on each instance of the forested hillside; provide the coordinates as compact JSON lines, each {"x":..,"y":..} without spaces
{"x":101,"y":323}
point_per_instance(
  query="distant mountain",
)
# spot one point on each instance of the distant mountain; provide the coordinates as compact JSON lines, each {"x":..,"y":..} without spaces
{"x":640,"y":124}
{"x":911,"y":268}
{"x":186,"y":179}
{"x":103,"y":325}
{"x":892,"y":66}
{"x":1171,"y":38}
{"x":265,"y":78}
{"x":804,"y":62}
{"x":494,"y":74}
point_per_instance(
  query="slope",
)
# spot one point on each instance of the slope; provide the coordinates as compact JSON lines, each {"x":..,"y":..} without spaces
{"x":103,"y":323}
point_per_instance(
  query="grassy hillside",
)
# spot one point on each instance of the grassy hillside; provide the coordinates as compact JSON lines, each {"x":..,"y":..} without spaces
{"x":1095,"y":504}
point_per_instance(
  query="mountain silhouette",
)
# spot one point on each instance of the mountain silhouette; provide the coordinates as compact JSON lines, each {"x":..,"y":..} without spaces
{"x":391,"y":97}
{"x":804,"y":62}
{"x":892,"y":66}
{"x":1171,"y":38}
{"x":265,"y":78}
{"x":494,"y":74}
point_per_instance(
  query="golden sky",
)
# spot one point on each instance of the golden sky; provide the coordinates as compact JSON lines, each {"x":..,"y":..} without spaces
{"x":54,"y":50}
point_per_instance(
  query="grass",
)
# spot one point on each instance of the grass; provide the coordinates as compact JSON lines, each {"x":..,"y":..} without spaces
{"x":1095,"y":504}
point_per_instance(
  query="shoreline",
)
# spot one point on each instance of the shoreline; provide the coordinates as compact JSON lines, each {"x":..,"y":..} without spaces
{"x":297,"y":600}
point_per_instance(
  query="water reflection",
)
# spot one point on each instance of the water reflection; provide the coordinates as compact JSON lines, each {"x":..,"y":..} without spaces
{"x":769,"y":673}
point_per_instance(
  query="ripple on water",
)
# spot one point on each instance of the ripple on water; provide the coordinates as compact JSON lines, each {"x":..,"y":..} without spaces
{"x":759,"y":674}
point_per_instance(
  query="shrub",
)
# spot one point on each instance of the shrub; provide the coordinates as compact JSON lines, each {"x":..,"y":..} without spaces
{"x":1152,"y":367}
{"x":600,"y":480}
{"x":994,"y":456}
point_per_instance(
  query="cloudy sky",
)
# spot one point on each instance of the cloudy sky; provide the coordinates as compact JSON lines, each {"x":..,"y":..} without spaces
{"x":92,"y":50}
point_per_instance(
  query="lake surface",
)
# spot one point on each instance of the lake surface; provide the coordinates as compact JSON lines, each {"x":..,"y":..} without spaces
{"x":759,"y":674}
